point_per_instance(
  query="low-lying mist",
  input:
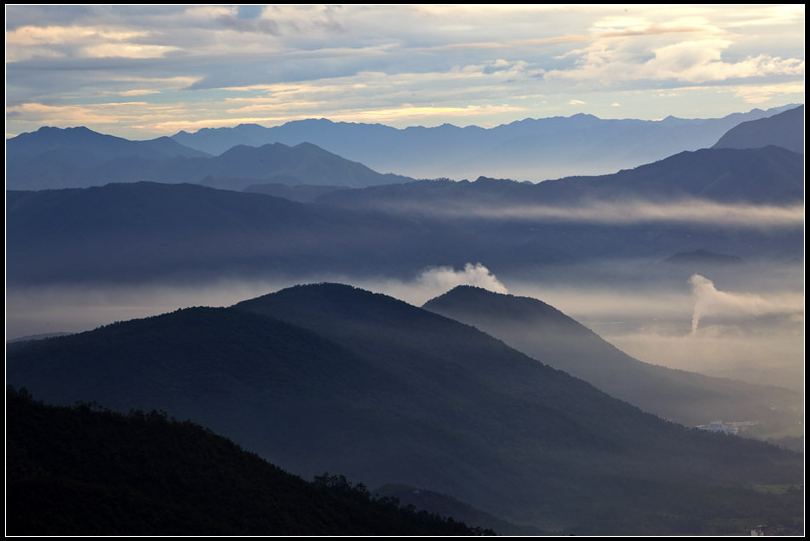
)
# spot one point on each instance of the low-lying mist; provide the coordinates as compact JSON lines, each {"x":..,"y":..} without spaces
{"x":741,"y":324}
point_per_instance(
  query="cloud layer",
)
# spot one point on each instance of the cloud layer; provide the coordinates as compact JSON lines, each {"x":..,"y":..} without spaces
{"x":403,"y":65}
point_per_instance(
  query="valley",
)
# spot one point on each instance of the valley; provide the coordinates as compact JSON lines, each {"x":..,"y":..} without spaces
{"x":539,"y":353}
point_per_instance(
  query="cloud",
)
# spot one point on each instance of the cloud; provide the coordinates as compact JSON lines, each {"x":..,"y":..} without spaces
{"x":446,"y":60}
{"x":761,"y":93}
{"x":263,"y":26}
{"x":687,"y":211}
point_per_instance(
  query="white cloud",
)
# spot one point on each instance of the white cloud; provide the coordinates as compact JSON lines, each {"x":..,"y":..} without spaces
{"x":494,"y":63}
{"x":698,"y":211}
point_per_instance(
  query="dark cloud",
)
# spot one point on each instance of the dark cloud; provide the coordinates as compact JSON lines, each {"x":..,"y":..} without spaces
{"x":17,"y":16}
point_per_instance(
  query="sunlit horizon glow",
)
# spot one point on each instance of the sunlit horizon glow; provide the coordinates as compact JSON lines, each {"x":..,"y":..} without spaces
{"x":144,"y":71}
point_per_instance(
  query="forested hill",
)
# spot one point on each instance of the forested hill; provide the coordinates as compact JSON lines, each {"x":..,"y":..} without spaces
{"x":546,"y":334}
{"x":88,"y":471}
{"x":331,"y":377}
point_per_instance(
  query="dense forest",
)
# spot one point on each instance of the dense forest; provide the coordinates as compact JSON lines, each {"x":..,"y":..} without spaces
{"x":86,"y":470}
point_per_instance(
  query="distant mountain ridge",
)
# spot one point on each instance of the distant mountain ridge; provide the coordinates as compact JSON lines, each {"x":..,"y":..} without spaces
{"x":78,"y":158}
{"x":152,"y":232}
{"x":785,"y":130}
{"x":146,"y":231}
{"x":770,"y":175}
{"x":93,"y":148}
{"x":529,"y":149}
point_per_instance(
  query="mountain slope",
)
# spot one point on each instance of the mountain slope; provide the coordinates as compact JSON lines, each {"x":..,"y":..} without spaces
{"x":785,"y":130}
{"x":76,"y":157}
{"x":551,"y":337}
{"x":148,"y":231}
{"x":770,"y":175}
{"x":84,"y":471}
{"x":390,"y":393}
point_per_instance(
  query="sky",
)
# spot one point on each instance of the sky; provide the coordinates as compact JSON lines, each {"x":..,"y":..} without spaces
{"x":145,"y":71}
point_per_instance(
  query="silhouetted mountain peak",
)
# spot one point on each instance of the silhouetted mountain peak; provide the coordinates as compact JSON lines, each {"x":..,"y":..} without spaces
{"x":785,"y":129}
{"x":331,"y":300}
{"x":483,"y":304}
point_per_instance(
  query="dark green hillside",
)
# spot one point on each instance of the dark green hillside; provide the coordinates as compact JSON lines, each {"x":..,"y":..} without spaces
{"x":84,"y":471}
{"x":548,"y":335}
{"x":385,"y":392}
{"x":444,"y":505}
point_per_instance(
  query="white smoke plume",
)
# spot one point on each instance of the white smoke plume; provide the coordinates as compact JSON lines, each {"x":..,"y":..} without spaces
{"x":446,"y":278}
{"x":435,"y":281}
{"x":710,"y":301}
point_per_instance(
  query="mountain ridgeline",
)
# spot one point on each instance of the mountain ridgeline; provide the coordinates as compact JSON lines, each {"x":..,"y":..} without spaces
{"x":332,"y":378}
{"x":53,"y":158}
{"x":149,"y":231}
{"x":530,"y":149}
{"x":546,"y":334}
{"x":785,"y":130}
{"x":499,"y":408}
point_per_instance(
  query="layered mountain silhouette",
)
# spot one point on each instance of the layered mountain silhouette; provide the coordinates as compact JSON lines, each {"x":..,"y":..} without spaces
{"x":148,"y":231}
{"x":140,"y":232}
{"x":530,"y":149}
{"x":86,"y":147}
{"x":89,"y":471}
{"x":79,"y":158}
{"x":330,"y":377}
{"x":770,"y":175}
{"x":546,"y":334}
{"x":785,"y":130}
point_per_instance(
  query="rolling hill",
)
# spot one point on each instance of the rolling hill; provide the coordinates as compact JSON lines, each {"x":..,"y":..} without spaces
{"x":330,"y":377}
{"x":88,"y":471}
{"x":546,"y":334}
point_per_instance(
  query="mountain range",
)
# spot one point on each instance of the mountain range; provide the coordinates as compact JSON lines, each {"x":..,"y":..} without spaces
{"x":332,"y":378}
{"x":329,"y":377}
{"x":146,"y":232}
{"x":785,"y":129}
{"x":250,"y":155}
{"x":53,"y":158}
{"x":529,"y":149}
{"x":140,"y":232}
{"x":768,"y":175}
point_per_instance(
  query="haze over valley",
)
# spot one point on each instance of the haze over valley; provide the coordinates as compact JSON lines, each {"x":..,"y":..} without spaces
{"x":555,"y":320}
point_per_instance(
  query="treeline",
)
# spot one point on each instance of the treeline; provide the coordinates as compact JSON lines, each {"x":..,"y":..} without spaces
{"x":86,"y":470}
